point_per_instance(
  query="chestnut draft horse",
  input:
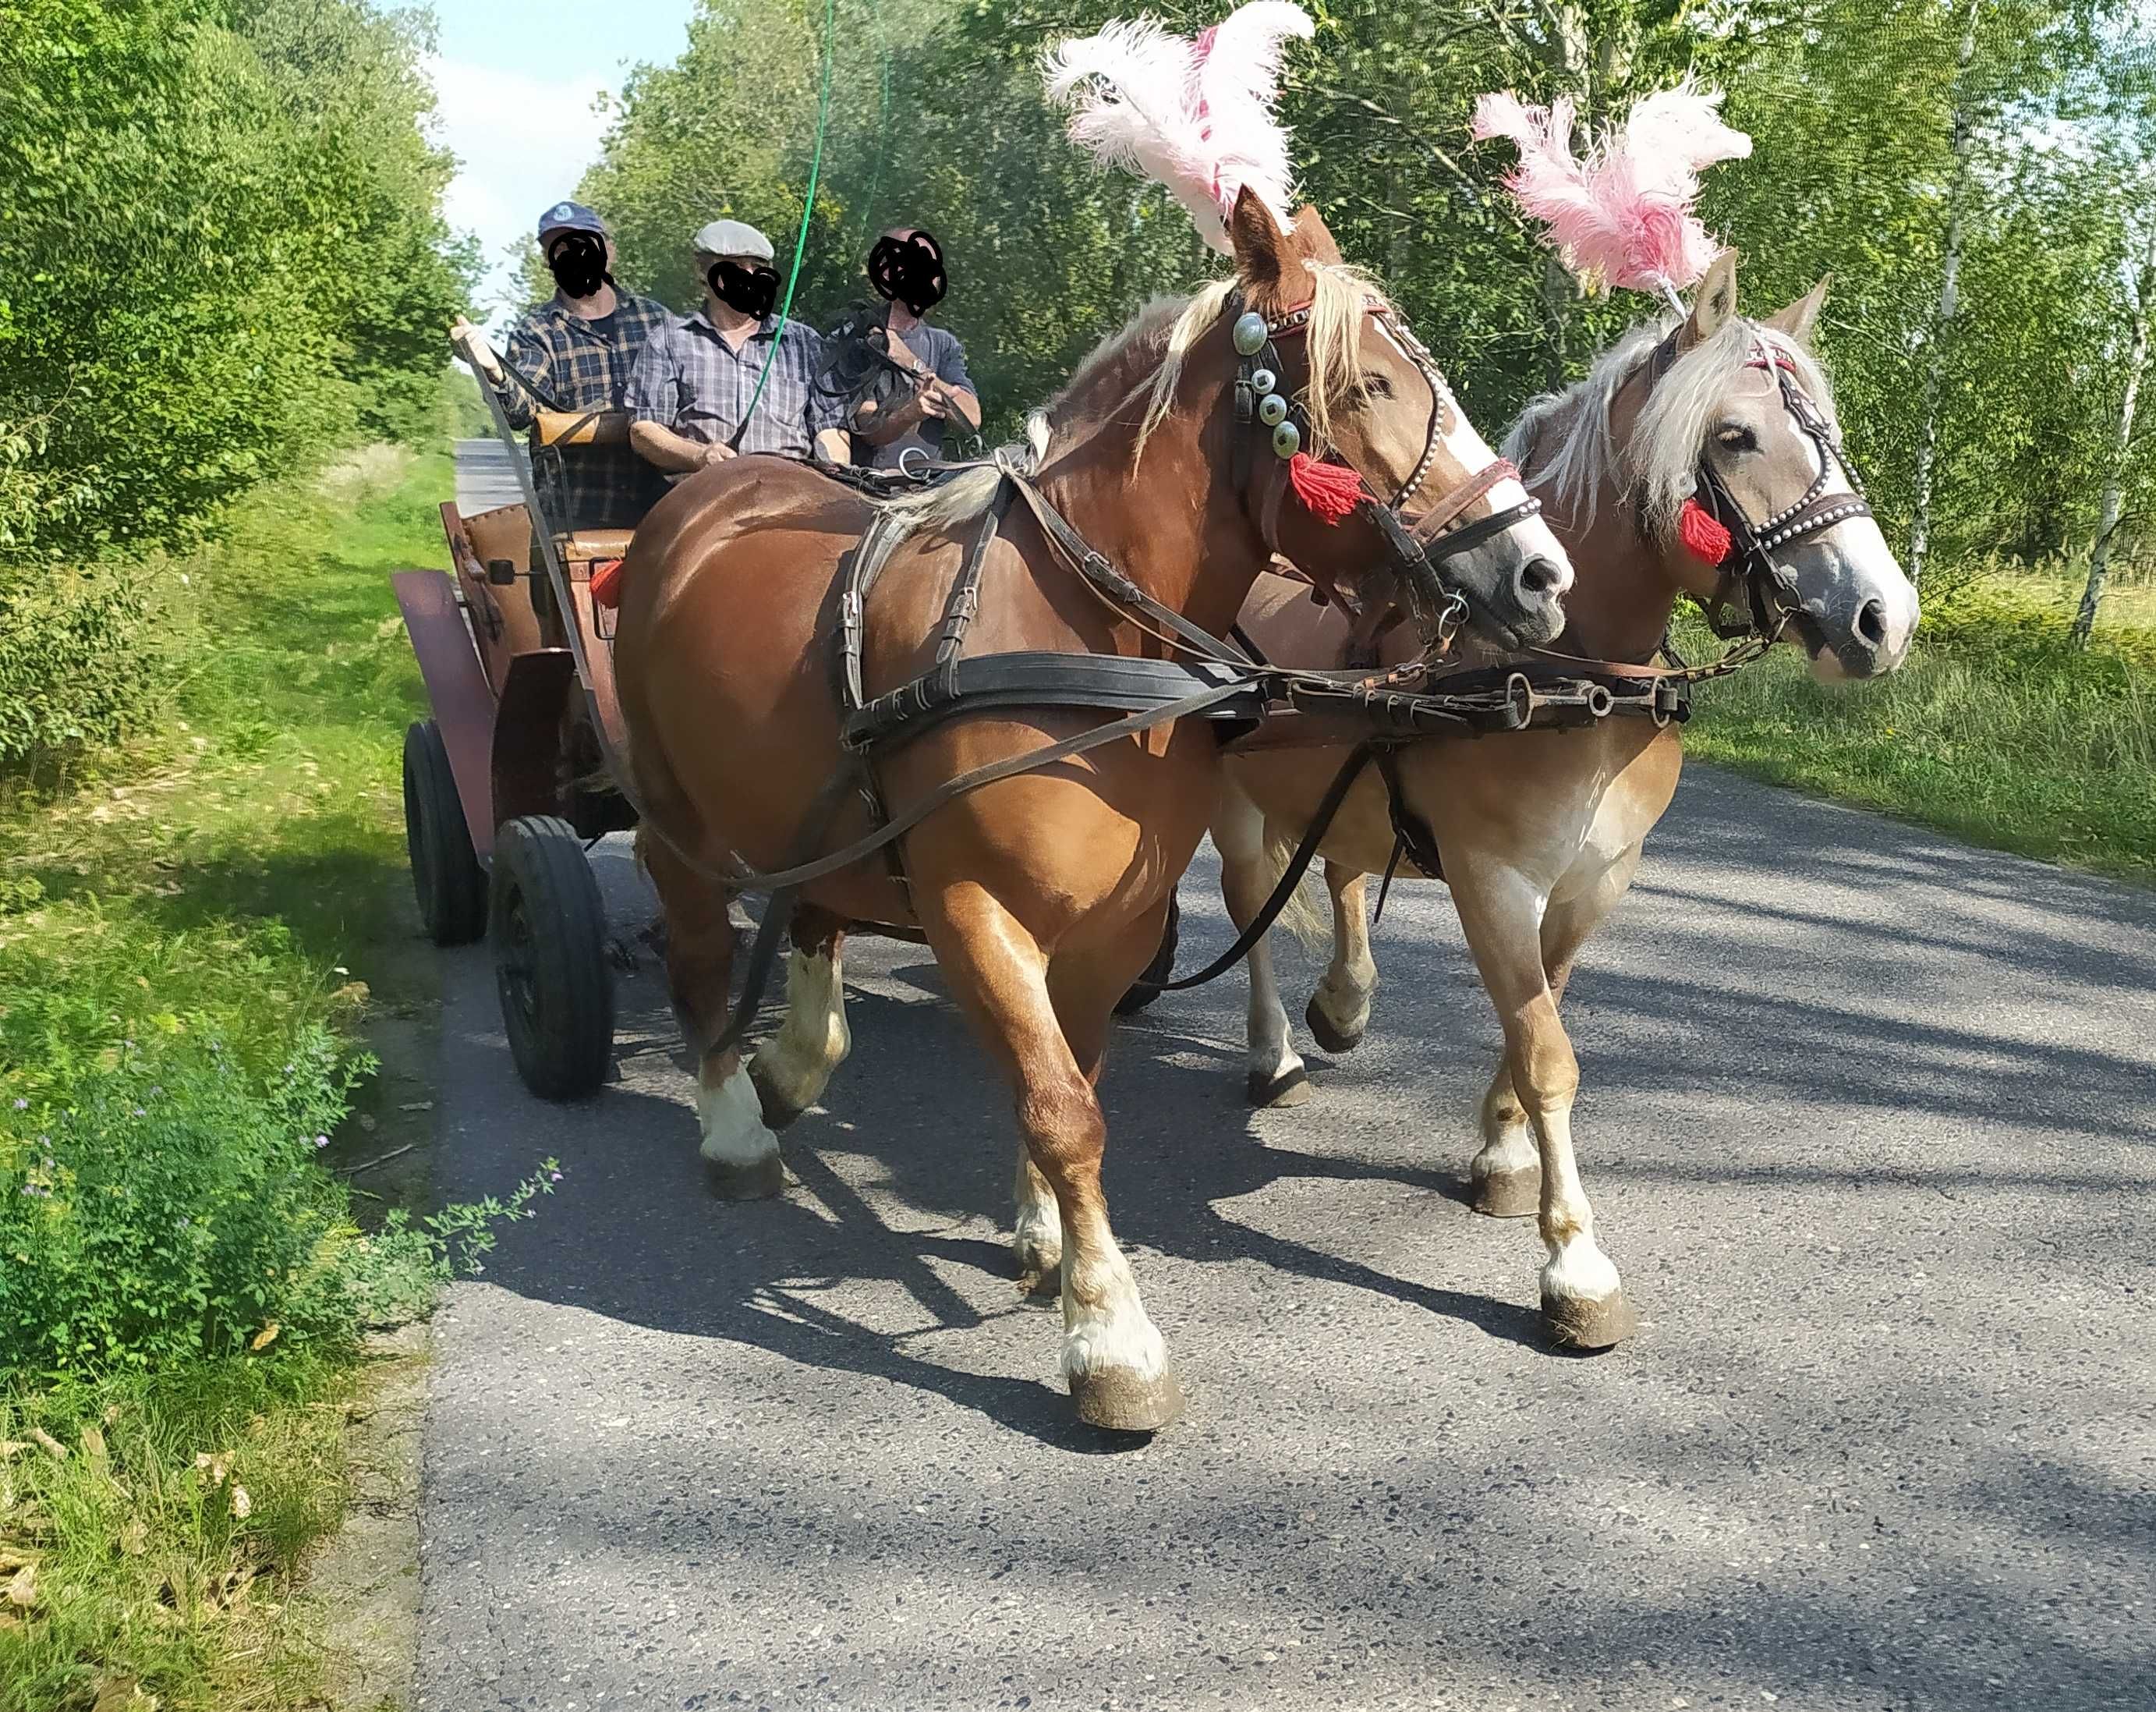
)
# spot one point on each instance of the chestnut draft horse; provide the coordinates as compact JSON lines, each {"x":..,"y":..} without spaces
{"x":1539,"y":832}
{"x":1044,"y":894}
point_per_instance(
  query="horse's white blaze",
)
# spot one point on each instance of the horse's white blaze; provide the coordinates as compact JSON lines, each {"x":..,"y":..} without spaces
{"x":731,"y":1119}
{"x":797,"y":1063}
{"x":1104,"y":1325}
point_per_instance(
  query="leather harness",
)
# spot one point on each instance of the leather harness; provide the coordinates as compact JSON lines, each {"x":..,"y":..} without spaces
{"x":1222,"y":681}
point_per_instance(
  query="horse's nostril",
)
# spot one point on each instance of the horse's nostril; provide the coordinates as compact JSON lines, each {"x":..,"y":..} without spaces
{"x":1541,"y":576}
{"x":1871,"y":623}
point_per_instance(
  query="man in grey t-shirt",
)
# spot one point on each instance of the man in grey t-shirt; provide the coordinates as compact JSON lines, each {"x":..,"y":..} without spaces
{"x":907,"y":269}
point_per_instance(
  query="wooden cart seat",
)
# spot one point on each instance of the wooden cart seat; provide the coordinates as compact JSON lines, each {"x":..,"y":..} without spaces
{"x":590,"y":545}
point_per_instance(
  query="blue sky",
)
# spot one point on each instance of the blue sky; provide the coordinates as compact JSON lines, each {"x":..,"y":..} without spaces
{"x":518,"y":82}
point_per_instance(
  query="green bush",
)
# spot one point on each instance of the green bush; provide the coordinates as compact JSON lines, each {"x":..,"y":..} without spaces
{"x":173,"y":1208}
{"x":78,"y":663}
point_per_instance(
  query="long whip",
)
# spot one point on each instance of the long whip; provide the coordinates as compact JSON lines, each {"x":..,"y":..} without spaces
{"x":807,"y":208}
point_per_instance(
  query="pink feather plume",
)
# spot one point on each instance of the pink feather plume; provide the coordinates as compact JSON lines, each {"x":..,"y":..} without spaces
{"x":1624,"y":215}
{"x":1195,"y":115}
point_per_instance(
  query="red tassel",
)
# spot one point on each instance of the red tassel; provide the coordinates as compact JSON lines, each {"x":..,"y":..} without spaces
{"x":1704,"y":536}
{"x":1328,"y":491}
{"x":606,"y":582}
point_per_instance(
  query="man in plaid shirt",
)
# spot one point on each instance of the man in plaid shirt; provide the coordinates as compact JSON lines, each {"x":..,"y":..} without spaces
{"x":693,"y":387}
{"x":574,"y":352}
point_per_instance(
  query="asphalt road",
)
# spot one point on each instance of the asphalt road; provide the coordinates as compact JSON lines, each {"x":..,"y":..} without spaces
{"x":487,"y":476}
{"x":1868,"y":1119}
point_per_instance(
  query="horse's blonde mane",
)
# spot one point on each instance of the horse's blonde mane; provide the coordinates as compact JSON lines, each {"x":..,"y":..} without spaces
{"x":1659,"y":463}
{"x":1339,"y":296}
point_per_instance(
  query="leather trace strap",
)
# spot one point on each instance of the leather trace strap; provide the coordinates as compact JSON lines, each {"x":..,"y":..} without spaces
{"x":1298,"y":865}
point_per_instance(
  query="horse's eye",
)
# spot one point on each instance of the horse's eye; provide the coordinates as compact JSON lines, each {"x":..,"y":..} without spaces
{"x":1377,"y":386}
{"x":1736,"y":438}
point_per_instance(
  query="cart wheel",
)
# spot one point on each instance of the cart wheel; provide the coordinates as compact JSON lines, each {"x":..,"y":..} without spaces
{"x":547,"y":926}
{"x":1142,"y":991}
{"x":446,"y":876}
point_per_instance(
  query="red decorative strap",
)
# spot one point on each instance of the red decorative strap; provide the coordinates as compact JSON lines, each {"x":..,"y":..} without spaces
{"x":1329,"y":492}
{"x":1704,"y":536}
{"x":606,"y":582}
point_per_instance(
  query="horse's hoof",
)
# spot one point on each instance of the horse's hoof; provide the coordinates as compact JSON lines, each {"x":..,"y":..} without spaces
{"x":1507,"y":1195}
{"x":1328,"y":1036}
{"x":1292,"y":1087}
{"x":758,"y":1181}
{"x":1117,"y":1399}
{"x":778,"y":1111}
{"x":1576,"y":1322}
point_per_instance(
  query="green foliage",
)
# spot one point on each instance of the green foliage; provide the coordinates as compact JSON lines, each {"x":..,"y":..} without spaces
{"x":80,"y":662}
{"x":1998,"y":729}
{"x":224,"y":254}
{"x":173,"y":1208}
{"x":1854,"y":106}
{"x":166,"y":1543}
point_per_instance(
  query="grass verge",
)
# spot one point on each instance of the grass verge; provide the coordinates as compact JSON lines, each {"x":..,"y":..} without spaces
{"x":1996,"y":730}
{"x":199,"y":931}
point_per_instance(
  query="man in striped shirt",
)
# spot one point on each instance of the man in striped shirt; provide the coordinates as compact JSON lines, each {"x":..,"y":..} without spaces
{"x":733,"y":377}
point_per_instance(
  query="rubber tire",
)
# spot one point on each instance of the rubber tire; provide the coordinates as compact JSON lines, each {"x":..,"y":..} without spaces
{"x":1142,"y":991}
{"x":447,"y":880}
{"x":547,"y":926}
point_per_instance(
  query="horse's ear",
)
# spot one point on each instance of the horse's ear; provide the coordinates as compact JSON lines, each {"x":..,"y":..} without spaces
{"x":1801,"y":317}
{"x":1260,"y":247}
{"x":1314,"y":237}
{"x":1714,"y":303}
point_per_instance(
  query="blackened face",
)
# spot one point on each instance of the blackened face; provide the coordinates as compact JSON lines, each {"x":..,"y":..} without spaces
{"x":744,"y":284}
{"x":908,"y":268}
{"x":579,"y":261}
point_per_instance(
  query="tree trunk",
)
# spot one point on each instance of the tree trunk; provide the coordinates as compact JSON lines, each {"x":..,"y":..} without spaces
{"x":1927,"y":432}
{"x":2121,"y":441}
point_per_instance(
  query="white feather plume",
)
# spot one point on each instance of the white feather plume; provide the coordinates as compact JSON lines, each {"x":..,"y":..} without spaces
{"x":1196,"y":116}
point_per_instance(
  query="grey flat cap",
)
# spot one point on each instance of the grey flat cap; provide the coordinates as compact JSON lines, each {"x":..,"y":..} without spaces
{"x":732,"y":238}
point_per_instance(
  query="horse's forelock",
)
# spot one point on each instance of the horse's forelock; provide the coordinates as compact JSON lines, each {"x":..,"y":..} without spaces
{"x":1563,"y":440}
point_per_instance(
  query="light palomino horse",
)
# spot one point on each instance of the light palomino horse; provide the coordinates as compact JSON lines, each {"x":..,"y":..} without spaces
{"x":1042,"y":895}
{"x":1539,"y":832}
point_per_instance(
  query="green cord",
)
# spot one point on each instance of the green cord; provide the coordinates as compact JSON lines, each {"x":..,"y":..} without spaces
{"x":807,"y":208}
{"x":883,"y":125}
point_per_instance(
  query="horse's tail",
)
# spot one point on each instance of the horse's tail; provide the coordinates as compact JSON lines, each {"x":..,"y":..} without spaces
{"x":1307,"y":914}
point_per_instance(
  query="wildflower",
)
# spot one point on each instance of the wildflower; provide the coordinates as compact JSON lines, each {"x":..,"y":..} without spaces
{"x":140,"y":1112}
{"x":321,"y":1141}
{"x":22,"y":1105}
{"x":155,"y":1090}
{"x":555,"y":1178}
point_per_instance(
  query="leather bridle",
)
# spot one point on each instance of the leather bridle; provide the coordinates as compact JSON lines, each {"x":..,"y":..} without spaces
{"x":1420,"y":549}
{"x":1770,"y":587}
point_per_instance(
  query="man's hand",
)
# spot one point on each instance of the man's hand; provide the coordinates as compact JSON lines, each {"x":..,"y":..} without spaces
{"x":718,"y":452}
{"x":473,"y":343}
{"x":935,"y":399}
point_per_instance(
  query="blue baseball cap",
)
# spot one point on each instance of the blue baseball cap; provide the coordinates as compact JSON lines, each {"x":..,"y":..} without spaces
{"x":570,"y":217}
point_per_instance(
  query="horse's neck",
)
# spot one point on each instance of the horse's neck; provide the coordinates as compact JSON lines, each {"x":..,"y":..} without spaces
{"x":1621,"y":597}
{"x":1172,"y":526}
